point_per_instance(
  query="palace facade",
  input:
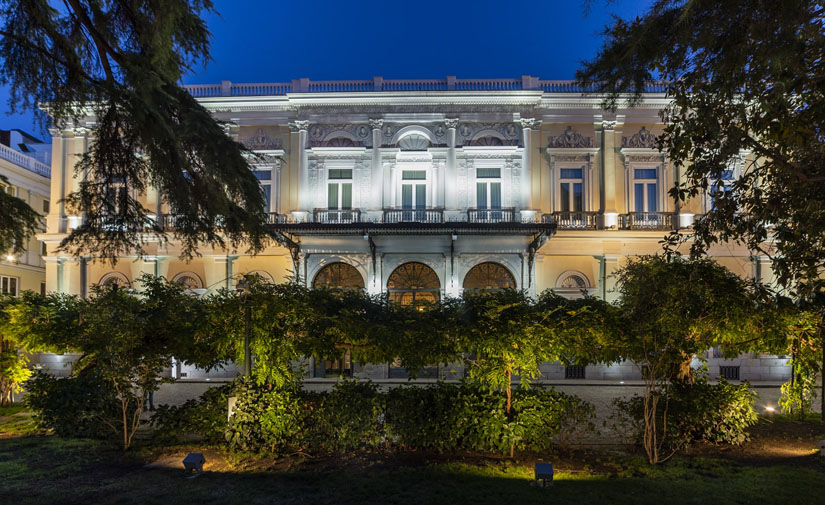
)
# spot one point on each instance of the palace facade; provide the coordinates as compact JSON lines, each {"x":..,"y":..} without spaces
{"x":425,"y":188}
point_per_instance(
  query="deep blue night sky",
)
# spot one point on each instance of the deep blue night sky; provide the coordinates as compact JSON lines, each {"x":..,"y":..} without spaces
{"x":268,"y":41}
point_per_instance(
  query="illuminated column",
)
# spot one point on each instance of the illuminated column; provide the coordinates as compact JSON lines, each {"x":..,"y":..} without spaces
{"x":304,"y":194}
{"x":527,"y":124}
{"x":450,"y":176}
{"x":611,"y":213}
{"x":56,"y":220}
{"x":377,"y":202}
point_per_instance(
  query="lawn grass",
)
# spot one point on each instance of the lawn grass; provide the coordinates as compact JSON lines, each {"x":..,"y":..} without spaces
{"x":43,"y":469}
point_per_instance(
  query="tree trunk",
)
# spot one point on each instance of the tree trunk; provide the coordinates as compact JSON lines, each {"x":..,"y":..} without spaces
{"x":508,"y":391}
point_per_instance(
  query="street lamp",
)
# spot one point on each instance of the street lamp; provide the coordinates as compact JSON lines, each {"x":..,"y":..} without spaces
{"x":243,"y":289}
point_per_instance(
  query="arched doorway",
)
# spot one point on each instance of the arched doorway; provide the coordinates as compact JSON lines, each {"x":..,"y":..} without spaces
{"x":338,"y":275}
{"x":489,"y":276}
{"x":414,"y":284}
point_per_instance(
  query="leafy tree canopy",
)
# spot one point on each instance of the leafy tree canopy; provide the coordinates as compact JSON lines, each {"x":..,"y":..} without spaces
{"x":18,"y":221}
{"x":120,"y":62}
{"x":746,"y":78}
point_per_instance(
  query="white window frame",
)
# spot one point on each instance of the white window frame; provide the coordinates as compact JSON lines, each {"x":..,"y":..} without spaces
{"x":582,"y":180}
{"x":339,"y":182}
{"x":5,"y":283}
{"x":488,"y":180}
{"x":659,"y":181}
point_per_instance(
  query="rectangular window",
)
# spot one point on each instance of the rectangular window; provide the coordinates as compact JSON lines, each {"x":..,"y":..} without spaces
{"x":571,"y":190}
{"x":263,"y":175}
{"x":9,"y":285}
{"x":45,"y":206}
{"x":414,"y":175}
{"x":339,"y":192}
{"x":42,"y":288}
{"x":488,"y":188}
{"x":488,"y":173}
{"x":645,"y":173}
{"x":340,"y":173}
{"x":730,"y":373}
{"x":268,"y":196}
{"x":645,"y":190}
{"x":574,"y":372}
{"x":43,"y":251}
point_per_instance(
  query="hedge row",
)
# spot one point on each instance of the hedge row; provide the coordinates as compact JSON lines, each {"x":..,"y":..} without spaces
{"x":357,"y":415}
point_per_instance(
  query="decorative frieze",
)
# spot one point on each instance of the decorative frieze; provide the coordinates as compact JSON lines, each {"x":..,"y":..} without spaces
{"x":261,"y":141}
{"x":641,"y":140}
{"x":570,"y":139}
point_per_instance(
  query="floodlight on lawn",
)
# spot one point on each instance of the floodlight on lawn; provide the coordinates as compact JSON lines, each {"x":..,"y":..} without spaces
{"x":544,"y":473}
{"x":193,"y":463}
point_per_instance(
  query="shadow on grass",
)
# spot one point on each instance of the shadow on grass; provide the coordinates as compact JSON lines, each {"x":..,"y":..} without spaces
{"x":50,"y":470}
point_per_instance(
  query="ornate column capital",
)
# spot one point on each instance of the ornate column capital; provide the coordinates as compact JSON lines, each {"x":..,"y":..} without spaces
{"x":230,"y":128}
{"x":530,"y":123}
{"x":451,"y":123}
{"x":609,"y":125}
{"x":376,"y":124}
{"x":296,"y":126}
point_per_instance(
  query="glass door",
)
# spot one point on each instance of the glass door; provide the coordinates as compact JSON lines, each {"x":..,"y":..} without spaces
{"x":414,"y":194}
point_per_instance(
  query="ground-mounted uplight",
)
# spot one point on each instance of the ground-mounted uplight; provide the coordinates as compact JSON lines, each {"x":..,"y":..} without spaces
{"x":544,"y":474}
{"x":770,"y":411}
{"x":193,"y":464}
{"x":10,"y":257}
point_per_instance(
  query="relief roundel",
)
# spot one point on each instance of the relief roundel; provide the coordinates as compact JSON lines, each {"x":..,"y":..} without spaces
{"x":414,"y":284}
{"x":338,"y":276}
{"x":489,"y":276}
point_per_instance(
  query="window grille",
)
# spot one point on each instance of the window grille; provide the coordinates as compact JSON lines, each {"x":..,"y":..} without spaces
{"x":730,"y":373}
{"x":574,"y":372}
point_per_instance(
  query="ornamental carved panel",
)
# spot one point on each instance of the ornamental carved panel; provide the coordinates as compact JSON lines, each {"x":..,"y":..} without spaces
{"x":570,"y":139}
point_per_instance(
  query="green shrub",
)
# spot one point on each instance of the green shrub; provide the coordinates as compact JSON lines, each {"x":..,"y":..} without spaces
{"x":350,"y":417}
{"x":720,"y":413}
{"x":355,"y":415}
{"x":547,"y":417}
{"x":424,"y":417}
{"x":204,"y":417}
{"x":266,"y":418}
{"x":83,"y":406}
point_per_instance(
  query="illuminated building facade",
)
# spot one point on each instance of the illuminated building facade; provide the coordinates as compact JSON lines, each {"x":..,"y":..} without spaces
{"x":422,"y":189}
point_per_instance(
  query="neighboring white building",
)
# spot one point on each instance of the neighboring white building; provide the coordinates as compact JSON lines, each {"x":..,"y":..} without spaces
{"x":425,"y":188}
{"x":28,"y":179}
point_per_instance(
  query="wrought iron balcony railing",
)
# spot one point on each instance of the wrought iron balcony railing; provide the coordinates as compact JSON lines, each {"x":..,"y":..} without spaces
{"x":574,"y":220}
{"x":336,"y":216}
{"x":413,"y":216}
{"x":491,"y":215}
{"x":646,"y":221}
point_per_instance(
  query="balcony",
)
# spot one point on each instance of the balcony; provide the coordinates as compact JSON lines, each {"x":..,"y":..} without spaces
{"x":336,"y":216}
{"x":646,"y":221}
{"x":491,"y":215}
{"x":574,"y":220}
{"x":428,"y":216}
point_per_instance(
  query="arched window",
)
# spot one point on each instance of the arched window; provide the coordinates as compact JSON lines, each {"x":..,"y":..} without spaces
{"x":489,"y":276}
{"x":572,"y":284}
{"x":487,"y":141}
{"x":115,"y":278}
{"x":188,"y":280}
{"x":414,"y":284}
{"x":339,"y":142}
{"x":338,"y":276}
{"x":264,"y":276}
{"x":414,"y":142}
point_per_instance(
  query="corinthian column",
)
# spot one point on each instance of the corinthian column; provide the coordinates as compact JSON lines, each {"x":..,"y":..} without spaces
{"x":304,"y":194}
{"x":451,"y":176}
{"x":527,"y":125}
{"x":377,"y":200}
